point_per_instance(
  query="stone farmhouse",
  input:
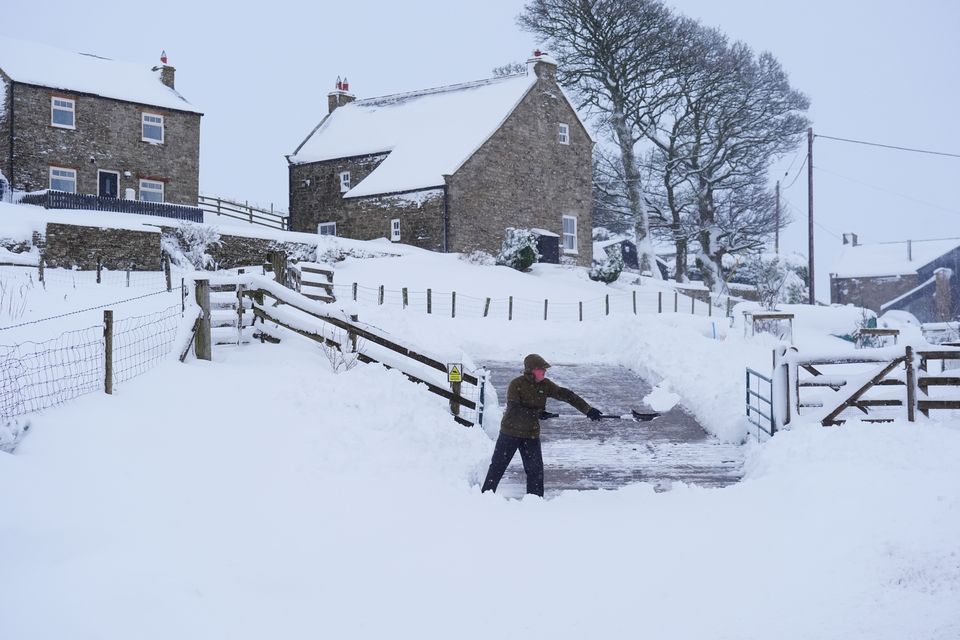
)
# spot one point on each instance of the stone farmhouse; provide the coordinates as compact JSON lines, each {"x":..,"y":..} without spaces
{"x":450,"y":168}
{"x":919,"y":276}
{"x":84,"y":124}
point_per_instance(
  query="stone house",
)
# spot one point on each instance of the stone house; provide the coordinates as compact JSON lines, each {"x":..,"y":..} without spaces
{"x":84,"y":124}
{"x":450,"y":168}
{"x":919,"y":276}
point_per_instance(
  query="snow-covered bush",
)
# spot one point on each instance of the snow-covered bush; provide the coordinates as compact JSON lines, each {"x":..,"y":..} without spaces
{"x":777,"y":280}
{"x":188,"y":245}
{"x":609,"y":270}
{"x":519,"y":250}
{"x":480,"y":258}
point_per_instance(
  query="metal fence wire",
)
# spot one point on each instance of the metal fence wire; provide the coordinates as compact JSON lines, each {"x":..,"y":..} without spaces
{"x":40,"y":375}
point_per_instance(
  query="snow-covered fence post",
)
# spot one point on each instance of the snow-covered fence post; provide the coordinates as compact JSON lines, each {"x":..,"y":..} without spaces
{"x":429,"y":301}
{"x":780,"y":390}
{"x":99,"y":267}
{"x":693,"y":305}
{"x":128,"y":278}
{"x":351,"y":335}
{"x":545,"y":303}
{"x":676,"y":301}
{"x":911,"y":388}
{"x":486,"y":307}
{"x":40,"y":268}
{"x":240,"y":289}
{"x":580,"y":304}
{"x":453,"y":304}
{"x":406,"y":298}
{"x":166,"y":272}
{"x":710,"y":305}
{"x":606,"y":304}
{"x":202,"y":346}
{"x":380,"y":296}
{"x":108,"y":351}
{"x":354,"y":291}
{"x":510,"y":308}
{"x":634,"y":302}
{"x":659,"y":301}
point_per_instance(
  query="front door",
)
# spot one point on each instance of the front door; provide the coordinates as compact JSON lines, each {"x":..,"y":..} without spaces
{"x":108,"y":184}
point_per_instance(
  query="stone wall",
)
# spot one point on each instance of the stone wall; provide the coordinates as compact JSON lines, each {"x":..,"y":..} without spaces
{"x":523,"y":177}
{"x":315,"y":194}
{"x":107,"y":137}
{"x":870,"y":292}
{"x":239,"y":251}
{"x":68,"y":246}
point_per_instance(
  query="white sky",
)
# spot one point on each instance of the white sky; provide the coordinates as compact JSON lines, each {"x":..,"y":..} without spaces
{"x":882,"y":71}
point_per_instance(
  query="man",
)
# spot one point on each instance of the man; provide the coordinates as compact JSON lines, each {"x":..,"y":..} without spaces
{"x":520,"y":428}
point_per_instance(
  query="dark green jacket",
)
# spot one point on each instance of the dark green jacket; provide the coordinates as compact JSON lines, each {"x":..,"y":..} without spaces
{"x":526,"y":398}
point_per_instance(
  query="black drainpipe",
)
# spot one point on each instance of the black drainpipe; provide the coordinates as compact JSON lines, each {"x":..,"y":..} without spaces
{"x":446,"y":217}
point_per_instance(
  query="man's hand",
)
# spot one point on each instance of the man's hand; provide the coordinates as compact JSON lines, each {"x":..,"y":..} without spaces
{"x":546,"y":415}
{"x":594,"y":414}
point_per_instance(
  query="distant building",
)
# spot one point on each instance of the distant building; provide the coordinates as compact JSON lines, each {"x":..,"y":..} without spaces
{"x":84,"y":124}
{"x":919,"y":276}
{"x":450,"y":168}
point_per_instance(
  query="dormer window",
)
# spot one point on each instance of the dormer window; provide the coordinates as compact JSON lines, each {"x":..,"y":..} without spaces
{"x":563,"y":133}
{"x":152,"y":128}
{"x":344,"y":181}
{"x":62,"y":113}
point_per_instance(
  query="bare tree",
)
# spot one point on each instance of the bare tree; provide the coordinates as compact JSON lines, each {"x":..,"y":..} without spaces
{"x":616,"y":55}
{"x":509,"y":69}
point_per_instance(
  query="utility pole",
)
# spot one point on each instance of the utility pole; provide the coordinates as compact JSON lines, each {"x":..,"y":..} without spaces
{"x":776,"y":231}
{"x":813,"y":298}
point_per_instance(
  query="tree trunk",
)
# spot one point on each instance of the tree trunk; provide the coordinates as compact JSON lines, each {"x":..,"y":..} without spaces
{"x":645,"y":256}
{"x":680,"y":268}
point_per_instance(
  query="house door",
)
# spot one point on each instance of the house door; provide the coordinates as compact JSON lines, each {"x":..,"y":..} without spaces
{"x":108,"y":184}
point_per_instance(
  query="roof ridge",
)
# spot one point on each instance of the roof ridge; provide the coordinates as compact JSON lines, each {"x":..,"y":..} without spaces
{"x":435,"y":90}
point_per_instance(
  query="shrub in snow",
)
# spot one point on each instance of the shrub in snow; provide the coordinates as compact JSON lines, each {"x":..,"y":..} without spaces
{"x":609,"y":270}
{"x":481,"y":258}
{"x":601,"y":233}
{"x":519,"y":250}
{"x":188,"y":243}
{"x":777,"y":280}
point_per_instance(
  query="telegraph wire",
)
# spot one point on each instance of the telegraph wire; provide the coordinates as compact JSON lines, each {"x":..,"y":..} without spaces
{"x":885,"y":190}
{"x":889,"y":146}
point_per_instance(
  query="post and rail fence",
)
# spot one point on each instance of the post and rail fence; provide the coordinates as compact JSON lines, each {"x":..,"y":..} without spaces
{"x":271,"y":218}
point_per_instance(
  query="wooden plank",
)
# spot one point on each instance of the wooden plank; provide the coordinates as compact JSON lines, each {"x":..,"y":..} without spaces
{"x":911,"y":385}
{"x":311,"y":269}
{"x":829,"y":418}
{"x":938,"y":381}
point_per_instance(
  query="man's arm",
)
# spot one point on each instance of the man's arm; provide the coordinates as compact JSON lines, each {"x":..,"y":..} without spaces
{"x":565,"y":395}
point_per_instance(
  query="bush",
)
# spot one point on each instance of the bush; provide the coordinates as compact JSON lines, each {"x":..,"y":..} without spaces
{"x":480,"y":258}
{"x":188,"y":244}
{"x":519,"y":250}
{"x":609,"y":270}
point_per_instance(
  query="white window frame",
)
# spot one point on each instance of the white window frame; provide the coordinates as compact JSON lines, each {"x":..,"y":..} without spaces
{"x":344,"y":181}
{"x":143,"y":124}
{"x":152,"y":189}
{"x":395,"y":230}
{"x":70,"y":108}
{"x":563,"y":133}
{"x":64,"y":169}
{"x":572,"y":237}
{"x":328,"y":226}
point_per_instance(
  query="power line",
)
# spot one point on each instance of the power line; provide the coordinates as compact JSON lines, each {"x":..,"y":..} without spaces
{"x":889,"y":146}
{"x":799,"y":171}
{"x":901,"y":195}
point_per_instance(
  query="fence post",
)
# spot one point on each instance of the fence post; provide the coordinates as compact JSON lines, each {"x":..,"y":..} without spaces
{"x":183,"y":295}
{"x":676,"y":301}
{"x":40,"y":268}
{"x":99,"y":267}
{"x":278,"y":259}
{"x":606,"y":305}
{"x":239,"y":309}
{"x":659,"y":301}
{"x":406,"y":299}
{"x":453,"y":304}
{"x":710,"y":305}
{"x":510,"y":309}
{"x":351,"y":335}
{"x":128,"y":278}
{"x":166,"y":272}
{"x":911,"y":388}
{"x":108,"y":351}
{"x":454,"y":405}
{"x":203,"y":346}
{"x":634,"y":302}
{"x":486,"y":307}
{"x":380,"y":296}
{"x":581,"y":310}
{"x":429,"y":301}
{"x":545,"y":303}
{"x":354,"y":291}
{"x":693,"y":305}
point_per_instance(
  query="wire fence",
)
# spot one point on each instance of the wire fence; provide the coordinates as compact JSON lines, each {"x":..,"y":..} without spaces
{"x":451,"y":304}
{"x":39,"y":375}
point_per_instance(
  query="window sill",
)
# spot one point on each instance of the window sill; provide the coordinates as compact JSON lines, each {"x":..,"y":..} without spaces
{"x":153,"y":142}
{"x":63,"y":126}
{"x":571,"y":252}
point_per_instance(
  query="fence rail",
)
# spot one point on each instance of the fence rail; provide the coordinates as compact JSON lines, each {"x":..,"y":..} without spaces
{"x":51,"y":199}
{"x":245,"y":211}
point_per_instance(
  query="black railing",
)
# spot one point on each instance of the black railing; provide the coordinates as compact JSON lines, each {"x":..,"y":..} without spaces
{"x":63,"y":200}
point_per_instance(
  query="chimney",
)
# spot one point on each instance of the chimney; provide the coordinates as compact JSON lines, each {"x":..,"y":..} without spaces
{"x":850,"y":238}
{"x":543,"y":65}
{"x":340,"y":95}
{"x":166,"y":71}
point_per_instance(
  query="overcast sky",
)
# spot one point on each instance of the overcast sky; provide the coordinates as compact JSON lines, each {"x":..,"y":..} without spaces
{"x":879,"y":71}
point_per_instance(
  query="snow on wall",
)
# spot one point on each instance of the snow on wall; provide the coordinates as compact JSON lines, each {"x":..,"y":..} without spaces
{"x":871,"y":260}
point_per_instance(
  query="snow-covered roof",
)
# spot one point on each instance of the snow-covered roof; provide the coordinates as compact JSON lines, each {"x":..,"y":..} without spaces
{"x":428,"y":133}
{"x":892,"y":259}
{"x":37,"y":64}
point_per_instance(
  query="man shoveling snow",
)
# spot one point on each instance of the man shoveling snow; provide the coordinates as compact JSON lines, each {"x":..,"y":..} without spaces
{"x":520,"y":428}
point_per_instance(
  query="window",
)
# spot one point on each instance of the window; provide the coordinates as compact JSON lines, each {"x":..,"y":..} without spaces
{"x":327,"y":228}
{"x":63,"y":113}
{"x":63,"y":179}
{"x":152,"y":128}
{"x":395,"y":230}
{"x":569,"y":234}
{"x":344,"y":181}
{"x":151,"y":191}
{"x":563,"y":133}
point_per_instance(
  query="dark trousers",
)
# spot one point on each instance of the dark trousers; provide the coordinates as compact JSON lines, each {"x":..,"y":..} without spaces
{"x":532,"y":458}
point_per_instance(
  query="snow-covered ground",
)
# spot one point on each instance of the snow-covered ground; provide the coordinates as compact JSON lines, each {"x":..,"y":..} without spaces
{"x":262,"y":494}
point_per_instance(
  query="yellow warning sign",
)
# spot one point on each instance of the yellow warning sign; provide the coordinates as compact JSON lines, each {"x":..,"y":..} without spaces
{"x":454,"y":372}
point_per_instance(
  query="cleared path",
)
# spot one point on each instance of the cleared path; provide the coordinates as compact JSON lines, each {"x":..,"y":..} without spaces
{"x":580,"y":454}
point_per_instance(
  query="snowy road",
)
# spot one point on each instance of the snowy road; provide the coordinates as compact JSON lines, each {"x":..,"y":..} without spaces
{"x":579,"y":454}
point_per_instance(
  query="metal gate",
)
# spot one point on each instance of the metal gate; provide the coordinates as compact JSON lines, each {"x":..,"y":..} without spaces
{"x":759,"y":399}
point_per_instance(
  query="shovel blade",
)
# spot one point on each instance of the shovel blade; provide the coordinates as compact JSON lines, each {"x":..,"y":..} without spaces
{"x":641,"y":416}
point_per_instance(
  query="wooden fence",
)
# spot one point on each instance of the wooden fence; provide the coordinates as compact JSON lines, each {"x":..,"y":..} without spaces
{"x":51,"y":199}
{"x":245,"y":211}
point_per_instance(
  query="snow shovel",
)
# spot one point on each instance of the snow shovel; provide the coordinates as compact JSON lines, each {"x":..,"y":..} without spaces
{"x":636,"y":416}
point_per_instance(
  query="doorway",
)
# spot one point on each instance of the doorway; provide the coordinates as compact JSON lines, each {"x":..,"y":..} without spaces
{"x":108,"y":184}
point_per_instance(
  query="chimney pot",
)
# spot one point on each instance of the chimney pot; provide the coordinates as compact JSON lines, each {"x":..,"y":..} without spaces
{"x":163,"y":56}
